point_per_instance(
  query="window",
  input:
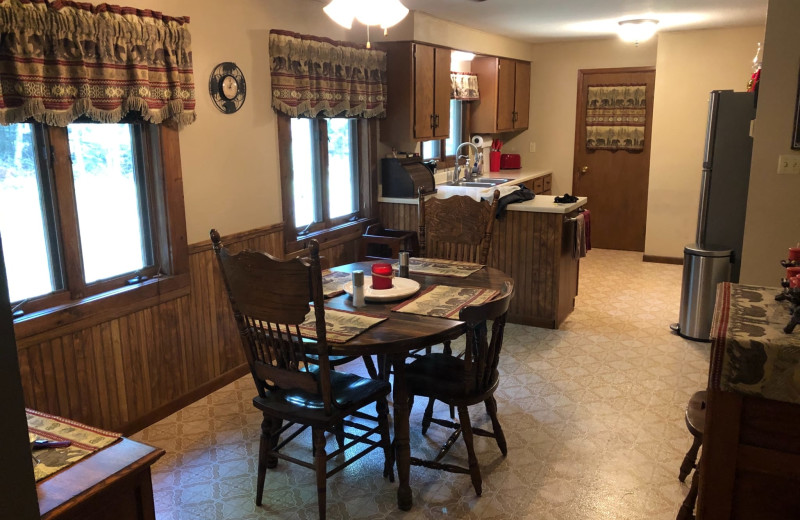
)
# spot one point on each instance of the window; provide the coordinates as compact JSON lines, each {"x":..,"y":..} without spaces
{"x":434,"y":149}
{"x":83,"y":211}
{"x":321,"y":174}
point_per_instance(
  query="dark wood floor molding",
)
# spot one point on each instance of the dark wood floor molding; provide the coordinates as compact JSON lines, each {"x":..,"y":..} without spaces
{"x":662,"y":259}
{"x":185,"y":400}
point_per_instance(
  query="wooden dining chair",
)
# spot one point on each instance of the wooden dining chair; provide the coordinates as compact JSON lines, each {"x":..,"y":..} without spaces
{"x":456,"y":228}
{"x":270,"y":300}
{"x":465,"y":382}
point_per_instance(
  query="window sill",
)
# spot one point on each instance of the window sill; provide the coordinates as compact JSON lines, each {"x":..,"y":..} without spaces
{"x":331,"y":236}
{"x":65,"y":319}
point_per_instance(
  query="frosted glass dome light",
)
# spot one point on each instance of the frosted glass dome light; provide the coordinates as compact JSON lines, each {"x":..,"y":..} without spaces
{"x":637,"y":30}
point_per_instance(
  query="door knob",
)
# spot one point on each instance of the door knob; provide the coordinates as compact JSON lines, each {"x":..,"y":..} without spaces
{"x":585,"y":169}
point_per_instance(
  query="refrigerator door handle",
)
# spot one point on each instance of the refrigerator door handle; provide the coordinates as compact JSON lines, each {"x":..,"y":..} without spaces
{"x":711,"y":129}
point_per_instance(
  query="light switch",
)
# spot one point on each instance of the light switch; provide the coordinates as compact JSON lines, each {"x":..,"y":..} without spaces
{"x":532,"y":147}
{"x":789,"y":164}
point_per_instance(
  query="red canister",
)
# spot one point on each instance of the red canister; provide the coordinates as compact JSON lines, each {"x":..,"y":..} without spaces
{"x":791,"y":272}
{"x":381,"y":276}
{"x":794,"y":253}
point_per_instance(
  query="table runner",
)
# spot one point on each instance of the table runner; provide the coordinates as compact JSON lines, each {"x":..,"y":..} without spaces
{"x":750,"y":352}
{"x":333,"y":281}
{"x":444,"y":301}
{"x":85,"y":441}
{"x":440,"y":267}
{"x":341,"y":326}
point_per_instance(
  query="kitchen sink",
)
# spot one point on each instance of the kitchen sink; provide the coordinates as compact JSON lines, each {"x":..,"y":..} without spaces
{"x":486,"y":182}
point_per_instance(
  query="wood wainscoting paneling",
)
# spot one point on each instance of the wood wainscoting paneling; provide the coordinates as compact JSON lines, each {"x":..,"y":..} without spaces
{"x":132,"y":370}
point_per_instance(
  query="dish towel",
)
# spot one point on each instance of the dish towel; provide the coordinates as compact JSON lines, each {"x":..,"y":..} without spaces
{"x":587,"y":217}
{"x":579,"y":249}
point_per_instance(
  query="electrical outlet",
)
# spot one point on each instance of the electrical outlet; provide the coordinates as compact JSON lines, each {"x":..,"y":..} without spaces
{"x":789,"y":164}
{"x":532,"y":147}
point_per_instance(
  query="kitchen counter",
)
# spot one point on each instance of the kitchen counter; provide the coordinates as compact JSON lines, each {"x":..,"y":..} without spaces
{"x":534,"y":243}
{"x":539,"y":204}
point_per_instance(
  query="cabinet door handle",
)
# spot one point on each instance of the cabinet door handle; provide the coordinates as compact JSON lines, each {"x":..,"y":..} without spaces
{"x":433,"y":121}
{"x":436,"y":121}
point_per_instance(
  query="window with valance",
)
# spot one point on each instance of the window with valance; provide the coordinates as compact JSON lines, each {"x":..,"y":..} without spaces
{"x":62,"y":60}
{"x":319,"y":77}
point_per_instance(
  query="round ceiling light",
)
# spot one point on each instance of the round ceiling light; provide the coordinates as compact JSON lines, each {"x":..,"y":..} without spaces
{"x":637,"y":30}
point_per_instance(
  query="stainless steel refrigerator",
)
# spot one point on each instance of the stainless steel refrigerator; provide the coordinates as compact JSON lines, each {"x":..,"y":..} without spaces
{"x":716,"y":254}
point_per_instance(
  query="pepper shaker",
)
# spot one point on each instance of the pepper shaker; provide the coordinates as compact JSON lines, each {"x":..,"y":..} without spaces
{"x":358,"y":289}
{"x":402,"y":269}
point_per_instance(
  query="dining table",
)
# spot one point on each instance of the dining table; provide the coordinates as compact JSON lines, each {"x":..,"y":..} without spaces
{"x":400,"y":334}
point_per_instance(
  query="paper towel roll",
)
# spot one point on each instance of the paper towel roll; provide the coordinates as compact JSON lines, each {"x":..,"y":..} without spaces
{"x":480,"y":141}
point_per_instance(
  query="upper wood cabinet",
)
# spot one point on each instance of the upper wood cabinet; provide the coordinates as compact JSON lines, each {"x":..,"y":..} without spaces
{"x":505,"y":87}
{"x":418,"y":106}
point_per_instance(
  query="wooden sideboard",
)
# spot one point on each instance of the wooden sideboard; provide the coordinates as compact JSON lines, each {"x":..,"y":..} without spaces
{"x":111,"y":483}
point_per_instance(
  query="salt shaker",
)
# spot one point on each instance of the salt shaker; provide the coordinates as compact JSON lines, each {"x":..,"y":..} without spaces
{"x":358,"y":289}
{"x":402,"y":269}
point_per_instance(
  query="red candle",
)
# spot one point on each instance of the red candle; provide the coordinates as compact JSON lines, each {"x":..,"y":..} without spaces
{"x":794,"y":253}
{"x":792,"y":272}
{"x":794,"y":283}
{"x":381,"y":276}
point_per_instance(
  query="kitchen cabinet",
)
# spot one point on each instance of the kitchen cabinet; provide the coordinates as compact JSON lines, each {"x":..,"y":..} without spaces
{"x":540,"y":185}
{"x":505,"y":89}
{"x":418,"y":90}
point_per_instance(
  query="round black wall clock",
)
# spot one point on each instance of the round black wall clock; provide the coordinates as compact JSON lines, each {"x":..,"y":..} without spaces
{"x":227,"y":87}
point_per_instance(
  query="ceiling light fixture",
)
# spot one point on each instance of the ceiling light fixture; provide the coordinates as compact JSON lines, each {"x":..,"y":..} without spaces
{"x":383,"y":13}
{"x":637,"y":30}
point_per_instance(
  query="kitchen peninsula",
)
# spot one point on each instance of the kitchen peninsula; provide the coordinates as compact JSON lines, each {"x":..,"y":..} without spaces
{"x":534,"y":243}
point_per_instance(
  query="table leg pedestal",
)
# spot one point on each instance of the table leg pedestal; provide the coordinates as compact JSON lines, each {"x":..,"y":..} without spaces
{"x":401,"y":431}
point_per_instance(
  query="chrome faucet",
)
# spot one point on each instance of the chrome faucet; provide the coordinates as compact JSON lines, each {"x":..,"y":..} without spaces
{"x":468,"y":172}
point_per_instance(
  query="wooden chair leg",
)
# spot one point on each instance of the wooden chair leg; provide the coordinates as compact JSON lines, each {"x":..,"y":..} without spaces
{"x":318,"y":435}
{"x":373,"y":373}
{"x":474,"y":469}
{"x":690,"y":459}
{"x":267,"y":442}
{"x":388,"y":449}
{"x":491,"y":409}
{"x":428,"y":415}
{"x":686,"y":512}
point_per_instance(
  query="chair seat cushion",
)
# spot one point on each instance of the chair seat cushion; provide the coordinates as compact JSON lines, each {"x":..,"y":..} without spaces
{"x":442,"y":377}
{"x":349,"y":393}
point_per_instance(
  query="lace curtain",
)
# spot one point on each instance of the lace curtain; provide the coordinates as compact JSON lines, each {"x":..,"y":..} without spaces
{"x":318,"y":77}
{"x":61,"y":60}
{"x":465,"y":86}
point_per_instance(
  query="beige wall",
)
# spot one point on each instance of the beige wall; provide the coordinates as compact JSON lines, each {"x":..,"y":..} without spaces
{"x":554,"y":87}
{"x":230,"y":162}
{"x":773,"y":220}
{"x":689,"y":65}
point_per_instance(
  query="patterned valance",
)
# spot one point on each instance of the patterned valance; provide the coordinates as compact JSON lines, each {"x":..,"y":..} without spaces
{"x":464,"y":86}
{"x":615,"y":117}
{"x":318,"y":77}
{"x":61,"y":60}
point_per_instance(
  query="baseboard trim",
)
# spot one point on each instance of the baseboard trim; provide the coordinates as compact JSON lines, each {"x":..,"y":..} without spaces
{"x":184,"y":400}
{"x":662,"y":259}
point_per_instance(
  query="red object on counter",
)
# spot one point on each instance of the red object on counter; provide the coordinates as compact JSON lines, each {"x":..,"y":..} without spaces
{"x":494,"y":161}
{"x":382,"y":276}
{"x":510,"y":161}
{"x":791,"y":272}
{"x":794,"y":283}
{"x":794,"y":253}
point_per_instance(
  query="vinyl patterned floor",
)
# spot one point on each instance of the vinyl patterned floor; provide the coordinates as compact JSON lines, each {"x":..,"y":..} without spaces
{"x":593,"y":415}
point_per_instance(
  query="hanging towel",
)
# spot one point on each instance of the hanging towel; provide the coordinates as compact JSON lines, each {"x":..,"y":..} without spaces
{"x":579,"y":249}
{"x":587,"y":217}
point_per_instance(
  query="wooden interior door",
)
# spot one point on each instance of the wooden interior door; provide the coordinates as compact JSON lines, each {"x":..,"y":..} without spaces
{"x":423,"y":91}
{"x":443,"y":89}
{"x":614,"y":181}
{"x":506,"y":72}
{"x":522,"y":93}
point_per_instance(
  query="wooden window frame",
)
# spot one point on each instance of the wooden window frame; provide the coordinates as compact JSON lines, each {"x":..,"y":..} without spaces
{"x":329,"y":231}
{"x":79,"y":303}
{"x":449,"y":161}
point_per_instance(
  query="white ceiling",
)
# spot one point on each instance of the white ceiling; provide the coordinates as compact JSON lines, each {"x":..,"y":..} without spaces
{"x":554,"y":20}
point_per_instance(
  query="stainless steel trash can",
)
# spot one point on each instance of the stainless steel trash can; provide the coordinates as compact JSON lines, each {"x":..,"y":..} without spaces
{"x":703,"y":268}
